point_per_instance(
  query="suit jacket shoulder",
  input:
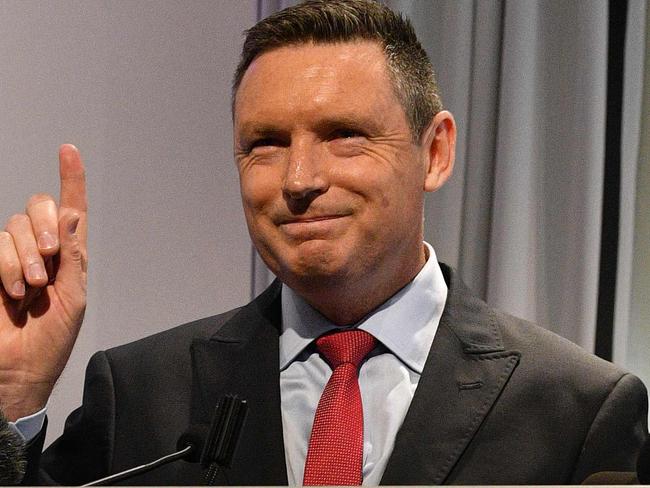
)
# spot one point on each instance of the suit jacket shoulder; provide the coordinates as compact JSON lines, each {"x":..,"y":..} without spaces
{"x":140,"y":397}
{"x":520,"y":404}
{"x":575,"y":391}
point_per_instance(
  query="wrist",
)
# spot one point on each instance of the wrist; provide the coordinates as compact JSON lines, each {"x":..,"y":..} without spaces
{"x":22,"y":401}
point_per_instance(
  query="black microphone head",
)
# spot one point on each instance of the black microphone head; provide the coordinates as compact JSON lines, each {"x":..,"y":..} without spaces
{"x":643,"y":464}
{"x":12,"y":455}
{"x":195,"y":436}
{"x":225,"y":431}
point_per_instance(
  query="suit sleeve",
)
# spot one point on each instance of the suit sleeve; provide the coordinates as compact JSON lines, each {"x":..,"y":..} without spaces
{"x":617,"y":431}
{"x":84,"y":451}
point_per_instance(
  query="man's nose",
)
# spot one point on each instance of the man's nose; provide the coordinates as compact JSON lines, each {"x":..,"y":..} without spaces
{"x":305,"y":177}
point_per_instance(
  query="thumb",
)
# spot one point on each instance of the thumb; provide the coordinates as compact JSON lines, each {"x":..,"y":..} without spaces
{"x":70,"y":278}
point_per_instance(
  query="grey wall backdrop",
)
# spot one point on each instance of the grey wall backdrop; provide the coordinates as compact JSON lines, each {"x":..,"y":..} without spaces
{"x":142,"y":87}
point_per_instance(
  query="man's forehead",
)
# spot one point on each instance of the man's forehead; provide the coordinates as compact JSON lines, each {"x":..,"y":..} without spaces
{"x":314,"y":71}
{"x":359,"y":51}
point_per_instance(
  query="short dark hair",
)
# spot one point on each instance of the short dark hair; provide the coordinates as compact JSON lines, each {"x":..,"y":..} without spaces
{"x":332,"y":21}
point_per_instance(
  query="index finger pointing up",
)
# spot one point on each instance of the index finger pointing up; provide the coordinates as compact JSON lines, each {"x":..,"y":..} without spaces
{"x":73,"y":178}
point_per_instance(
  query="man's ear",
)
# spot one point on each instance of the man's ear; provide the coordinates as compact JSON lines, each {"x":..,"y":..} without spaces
{"x":439,"y":150}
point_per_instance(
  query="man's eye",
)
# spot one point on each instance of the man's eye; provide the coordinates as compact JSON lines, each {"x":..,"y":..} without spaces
{"x":346,"y":134}
{"x":266,"y":141}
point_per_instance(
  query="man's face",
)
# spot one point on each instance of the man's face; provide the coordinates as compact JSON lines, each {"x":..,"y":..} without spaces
{"x":331,"y":181}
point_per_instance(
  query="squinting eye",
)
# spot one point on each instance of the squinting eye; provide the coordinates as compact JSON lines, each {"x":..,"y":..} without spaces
{"x":345,"y":134}
{"x":264,"y":142}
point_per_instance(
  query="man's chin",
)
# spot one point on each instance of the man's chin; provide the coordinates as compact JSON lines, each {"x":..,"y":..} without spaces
{"x":317,"y":262}
{"x":314,"y":270}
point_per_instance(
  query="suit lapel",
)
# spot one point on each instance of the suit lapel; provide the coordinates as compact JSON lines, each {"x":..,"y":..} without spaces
{"x":464,"y":374}
{"x":242,"y":359}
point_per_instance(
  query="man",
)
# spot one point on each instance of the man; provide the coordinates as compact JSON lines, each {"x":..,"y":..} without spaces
{"x":339,"y":131}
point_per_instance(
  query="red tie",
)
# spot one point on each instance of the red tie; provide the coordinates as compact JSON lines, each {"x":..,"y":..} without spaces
{"x":335,"y":453}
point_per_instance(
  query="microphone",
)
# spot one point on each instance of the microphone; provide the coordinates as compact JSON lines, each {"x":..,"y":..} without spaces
{"x":225,"y":431}
{"x":643,"y":464}
{"x":12,"y":455}
{"x":212,"y":446}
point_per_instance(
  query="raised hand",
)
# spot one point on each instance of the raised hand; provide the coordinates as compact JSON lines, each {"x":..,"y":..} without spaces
{"x":43,"y":290}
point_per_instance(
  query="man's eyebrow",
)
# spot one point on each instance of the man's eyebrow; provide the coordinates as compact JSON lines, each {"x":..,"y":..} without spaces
{"x":364,"y":124}
{"x":256,"y":129}
{"x":370,"y":125}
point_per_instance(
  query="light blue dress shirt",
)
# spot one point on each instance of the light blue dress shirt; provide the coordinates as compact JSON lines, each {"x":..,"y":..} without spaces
{"x":404,"y":326}
{"x":29,"y":427}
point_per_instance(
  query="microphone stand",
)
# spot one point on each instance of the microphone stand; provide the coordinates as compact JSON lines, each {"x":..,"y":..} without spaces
{"x":216,"y":451}
{"x":111,"y":480}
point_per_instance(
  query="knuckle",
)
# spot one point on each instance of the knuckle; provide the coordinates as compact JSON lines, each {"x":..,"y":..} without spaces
{"x":12,"y":268}
{"x":17,"y":221}
{"x":75,"y":251}
{"x":30,"y":258}
{"x":39,"y":198}
{"x":5,"y":238}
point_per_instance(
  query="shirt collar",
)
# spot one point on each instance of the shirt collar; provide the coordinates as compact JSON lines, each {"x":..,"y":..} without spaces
{"x":406,"y":323}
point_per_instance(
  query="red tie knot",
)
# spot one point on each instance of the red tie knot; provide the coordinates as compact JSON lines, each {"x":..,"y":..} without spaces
{"x":348,"y":346}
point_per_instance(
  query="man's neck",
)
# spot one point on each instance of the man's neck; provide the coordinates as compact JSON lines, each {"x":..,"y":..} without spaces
{"x":346,"y":303}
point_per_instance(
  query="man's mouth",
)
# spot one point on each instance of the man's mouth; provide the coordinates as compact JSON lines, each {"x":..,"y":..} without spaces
{"x":282,"y":218}
{"x":312,"y":227}
{"x":306,"y":220}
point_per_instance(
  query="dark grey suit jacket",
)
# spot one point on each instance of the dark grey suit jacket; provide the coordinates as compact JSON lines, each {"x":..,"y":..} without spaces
{"x":500,"y":401}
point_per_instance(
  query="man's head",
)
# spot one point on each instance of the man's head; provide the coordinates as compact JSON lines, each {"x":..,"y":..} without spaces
{"x":332,"y":176}
{"x":338,"y":21}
